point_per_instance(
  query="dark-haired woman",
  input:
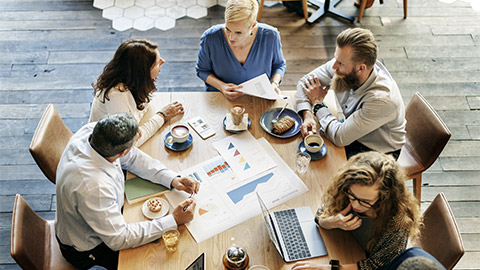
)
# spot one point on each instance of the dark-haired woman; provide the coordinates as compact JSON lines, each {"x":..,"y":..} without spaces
{"x":127,"y":84}
{"x":368,"y":197}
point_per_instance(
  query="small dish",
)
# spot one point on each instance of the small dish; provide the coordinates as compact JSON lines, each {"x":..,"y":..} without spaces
{"x":315,"y":156}
{"x":235,"y":131}
{"x":152,"y":215}
{"x":266,"y":122}
{"x":177,"y":147}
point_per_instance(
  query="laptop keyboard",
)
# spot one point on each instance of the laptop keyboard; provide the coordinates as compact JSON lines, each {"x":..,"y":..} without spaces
{"x":292,"y":234}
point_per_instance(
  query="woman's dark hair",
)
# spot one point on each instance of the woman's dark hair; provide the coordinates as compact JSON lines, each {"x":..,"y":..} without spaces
{"x":131,"y":66}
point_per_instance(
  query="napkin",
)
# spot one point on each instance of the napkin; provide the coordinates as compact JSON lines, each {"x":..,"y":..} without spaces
{"x":230,"y":126}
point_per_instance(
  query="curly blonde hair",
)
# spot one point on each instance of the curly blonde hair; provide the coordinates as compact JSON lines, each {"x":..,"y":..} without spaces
{"x":395,"y":201}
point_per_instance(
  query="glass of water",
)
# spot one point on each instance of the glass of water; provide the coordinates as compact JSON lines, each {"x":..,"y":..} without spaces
{"x":302,"y":160}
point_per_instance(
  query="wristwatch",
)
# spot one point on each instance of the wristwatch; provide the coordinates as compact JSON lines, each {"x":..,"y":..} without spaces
{"x":318,"y":106}
{"x":335,"y":264}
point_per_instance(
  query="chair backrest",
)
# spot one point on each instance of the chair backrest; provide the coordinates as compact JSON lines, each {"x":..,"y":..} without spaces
{"x":49,"y":141}
{"x":426,"y":136}
{"x":440,"y":235}
{"x":28,"y":236}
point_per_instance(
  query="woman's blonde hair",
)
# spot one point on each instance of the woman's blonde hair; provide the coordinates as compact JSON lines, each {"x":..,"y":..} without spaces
{"x":239,"y":10}
{"x":395,"y":201}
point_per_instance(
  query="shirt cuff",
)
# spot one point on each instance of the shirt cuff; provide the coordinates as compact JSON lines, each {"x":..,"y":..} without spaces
{"x":167,"y":222}
{"x":304,"y":106}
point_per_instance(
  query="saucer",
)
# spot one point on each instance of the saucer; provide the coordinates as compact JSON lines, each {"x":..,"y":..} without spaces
{"x":170,"y":144}
{"x":152,"y":215}
{"x":315,"y":156}
{"x":235,"y":131}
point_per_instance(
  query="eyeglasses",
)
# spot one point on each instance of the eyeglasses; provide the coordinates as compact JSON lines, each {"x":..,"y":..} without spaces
{"x":352,"y":197}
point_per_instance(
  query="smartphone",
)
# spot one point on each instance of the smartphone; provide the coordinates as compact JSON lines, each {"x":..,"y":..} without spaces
{"x":201,"y":127}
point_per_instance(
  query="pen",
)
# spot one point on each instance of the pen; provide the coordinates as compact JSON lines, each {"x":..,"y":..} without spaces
{"x":186,"y":206}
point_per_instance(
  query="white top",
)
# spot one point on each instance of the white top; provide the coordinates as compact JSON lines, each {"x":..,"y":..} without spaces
{"x":375,"y":113}
{"x":122,"y":101}
{"x":90,"y":196}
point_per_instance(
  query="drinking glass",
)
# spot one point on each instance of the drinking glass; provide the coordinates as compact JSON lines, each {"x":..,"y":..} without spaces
{"x":302,"y":161}
{"x":170,"y":238}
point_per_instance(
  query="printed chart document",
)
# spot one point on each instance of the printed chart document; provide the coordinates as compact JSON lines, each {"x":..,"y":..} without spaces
{"x":226,"y":199}
{"x":260,"y":87}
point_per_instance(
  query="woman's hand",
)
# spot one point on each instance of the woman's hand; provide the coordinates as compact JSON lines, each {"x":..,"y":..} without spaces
{"x":173,"y":109}
{"x":341,"y":221}
{"x":276,"y":87}
{"x":310,"y":265}
{"x":228,"y":90}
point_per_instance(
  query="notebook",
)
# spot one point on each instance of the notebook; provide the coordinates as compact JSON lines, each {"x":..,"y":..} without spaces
{"x":198,"y":264}
{"x":138,"y":189}
{"x":294,"y":233}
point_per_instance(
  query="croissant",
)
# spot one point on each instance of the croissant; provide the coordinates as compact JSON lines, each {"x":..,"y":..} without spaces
{"x":284,"y":124}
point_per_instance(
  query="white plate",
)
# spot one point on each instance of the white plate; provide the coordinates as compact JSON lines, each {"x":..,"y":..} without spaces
{"x":152,"y":215}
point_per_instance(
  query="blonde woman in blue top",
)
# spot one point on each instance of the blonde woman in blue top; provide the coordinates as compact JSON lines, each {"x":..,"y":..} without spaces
{"x":239,"y":50}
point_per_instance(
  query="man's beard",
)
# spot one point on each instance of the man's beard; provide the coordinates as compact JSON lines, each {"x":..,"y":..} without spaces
{"x":343,"y":83}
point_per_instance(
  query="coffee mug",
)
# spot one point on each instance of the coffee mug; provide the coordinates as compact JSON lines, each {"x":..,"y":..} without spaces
{"x":180,"y":133}
{"x":313,"y":142}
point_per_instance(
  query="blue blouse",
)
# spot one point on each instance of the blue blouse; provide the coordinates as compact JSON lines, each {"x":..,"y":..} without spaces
{"x":216,"y":57}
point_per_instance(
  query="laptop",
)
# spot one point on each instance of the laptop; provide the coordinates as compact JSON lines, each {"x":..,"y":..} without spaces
{"x":294,"y":233}
{"x":198,"y":264}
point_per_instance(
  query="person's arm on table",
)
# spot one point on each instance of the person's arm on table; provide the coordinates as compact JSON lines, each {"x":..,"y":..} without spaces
{"x":227,"y":89}
{"x":324,"y":75}
{"x":279,"y":65}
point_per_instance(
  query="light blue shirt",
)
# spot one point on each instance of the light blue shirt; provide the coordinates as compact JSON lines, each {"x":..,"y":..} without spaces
{"x":215,"y":56}
{"x":90,"y":196}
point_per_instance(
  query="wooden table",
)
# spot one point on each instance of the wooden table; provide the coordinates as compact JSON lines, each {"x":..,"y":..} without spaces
{"x":252,"y":234}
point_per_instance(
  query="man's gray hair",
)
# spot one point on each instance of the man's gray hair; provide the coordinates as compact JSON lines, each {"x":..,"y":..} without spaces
{"x":113,"y":134}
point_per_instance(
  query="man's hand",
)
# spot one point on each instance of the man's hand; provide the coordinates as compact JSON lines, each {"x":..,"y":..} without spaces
{"x":309,"y":123}
{"x":341,"y":221}
{"x":187,"y":184}
{"x":314,"y":89}
{"x":228,"y":90}
{"x":181,"y":216}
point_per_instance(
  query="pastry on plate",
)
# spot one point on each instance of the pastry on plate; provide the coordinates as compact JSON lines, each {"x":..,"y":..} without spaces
{"x":154,"y":204}
{"x":282,"y":125}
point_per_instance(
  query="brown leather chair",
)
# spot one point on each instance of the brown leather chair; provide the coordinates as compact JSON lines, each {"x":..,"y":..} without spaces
{"x":260,"y":8}
{"x":426,"y":137}
{"x":49,"y":141}
{"x":33,"y":244}
{"x":440,"y":235}
{"x":363,"y":4}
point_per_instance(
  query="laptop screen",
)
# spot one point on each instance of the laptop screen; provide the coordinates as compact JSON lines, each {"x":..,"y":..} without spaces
{"x":198,"y":264}
{"x":268,"y":222}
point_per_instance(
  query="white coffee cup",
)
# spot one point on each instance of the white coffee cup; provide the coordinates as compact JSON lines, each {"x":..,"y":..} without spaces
{"x":313,"y":142}
{"x":180,"y":133}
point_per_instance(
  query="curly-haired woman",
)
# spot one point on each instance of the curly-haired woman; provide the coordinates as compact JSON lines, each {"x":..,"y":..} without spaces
{"x":127,"y":83}
{"x":368,"y":197}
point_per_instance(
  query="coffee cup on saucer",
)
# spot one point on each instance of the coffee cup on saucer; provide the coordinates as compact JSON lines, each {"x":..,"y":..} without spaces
{"x":180,"y":133}
{"x":313,"y":142}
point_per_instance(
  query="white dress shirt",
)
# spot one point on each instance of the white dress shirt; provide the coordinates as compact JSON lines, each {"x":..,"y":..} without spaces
{"x":374,"y":112}
{"x":90,"y":197}
{"x":121,"y":100}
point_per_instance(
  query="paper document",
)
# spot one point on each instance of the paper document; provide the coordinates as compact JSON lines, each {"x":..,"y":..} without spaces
{"x":260,"y":87}
{"x":225,"y":199}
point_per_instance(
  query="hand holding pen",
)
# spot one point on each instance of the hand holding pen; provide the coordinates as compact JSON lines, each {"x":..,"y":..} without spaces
{"x":186,"y":206}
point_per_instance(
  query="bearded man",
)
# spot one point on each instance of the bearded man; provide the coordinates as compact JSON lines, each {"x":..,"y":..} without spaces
{"x":369,"y":97}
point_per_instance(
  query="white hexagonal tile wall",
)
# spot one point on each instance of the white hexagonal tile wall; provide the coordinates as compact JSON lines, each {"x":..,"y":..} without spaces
{"x":154,"y":12}
{"x":143,"y":23}
{"x":112,"y":13}
{"x":207,"y":3}
{"x":101,"y":4}
{"x":146,"y":14}
{"x":164,"y":23}
{"x":122,"y":23}
{"x":134,"y":12}
{"x":196,"y":12}
{"x":124,"y":3}
{"x":145,"y":3}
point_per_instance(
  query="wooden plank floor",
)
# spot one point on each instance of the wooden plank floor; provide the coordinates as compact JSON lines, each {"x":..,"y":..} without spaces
{"x":52,"y":50}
